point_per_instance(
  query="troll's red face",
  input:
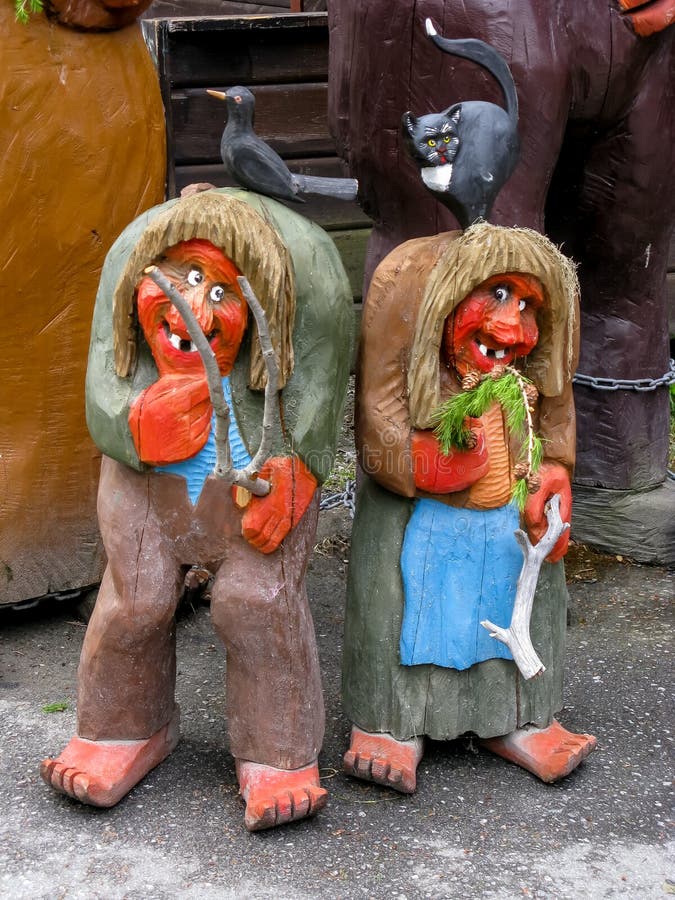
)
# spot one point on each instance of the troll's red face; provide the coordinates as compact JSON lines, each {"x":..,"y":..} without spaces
{"x":494,"y":324}
{"x":207,"y":280}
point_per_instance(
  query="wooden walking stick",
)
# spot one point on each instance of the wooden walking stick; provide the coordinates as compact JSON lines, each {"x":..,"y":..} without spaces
{"x":517,"y":635}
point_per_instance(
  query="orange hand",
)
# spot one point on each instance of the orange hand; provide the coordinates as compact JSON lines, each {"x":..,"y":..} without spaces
{"x":268,"y":519}
{"x":171,"y":420}
{"x":439,"y":474}
{"x":554,"y":480}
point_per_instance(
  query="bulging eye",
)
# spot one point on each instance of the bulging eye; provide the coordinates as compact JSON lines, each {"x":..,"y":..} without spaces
{"x":431,"y":142}
{"x":195,"y":277}
{"x":217,"y":293}
{"x":446,"y":139}
{"x":501,"y":294}
{"x":522,"y":305}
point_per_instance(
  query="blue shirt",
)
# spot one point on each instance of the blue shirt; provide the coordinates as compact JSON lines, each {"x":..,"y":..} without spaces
{"x":197,"y":468}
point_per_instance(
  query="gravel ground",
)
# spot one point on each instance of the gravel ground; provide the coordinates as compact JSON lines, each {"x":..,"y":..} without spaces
{"x":477,"y":826}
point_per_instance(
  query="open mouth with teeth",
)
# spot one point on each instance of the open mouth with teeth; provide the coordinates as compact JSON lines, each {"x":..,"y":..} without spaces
{"x":487,"y":357}
{"x":185,"y":345}
{"x":493,"y":354}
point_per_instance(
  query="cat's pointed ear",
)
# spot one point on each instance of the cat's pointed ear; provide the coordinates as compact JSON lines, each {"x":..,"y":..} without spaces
{"x":454,"y":112}
{"x":408,"y":122}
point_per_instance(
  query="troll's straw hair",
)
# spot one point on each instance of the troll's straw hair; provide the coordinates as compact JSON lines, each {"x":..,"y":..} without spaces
{"x":476,"y":254}
{"x":243,"y":236}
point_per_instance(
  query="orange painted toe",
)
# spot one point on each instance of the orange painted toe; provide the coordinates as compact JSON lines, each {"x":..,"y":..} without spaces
{"x":383,"y":759}
{"x":100,"y":773}
{"x":277,"y":796}
{"x":549,"y":753}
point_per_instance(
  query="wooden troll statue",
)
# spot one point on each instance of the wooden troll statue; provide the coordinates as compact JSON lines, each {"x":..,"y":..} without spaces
{"x":434,"y":574}
{"x":163,"y":508}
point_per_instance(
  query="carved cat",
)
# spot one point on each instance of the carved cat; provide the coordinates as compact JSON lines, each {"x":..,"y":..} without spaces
{"x":467,"y":152}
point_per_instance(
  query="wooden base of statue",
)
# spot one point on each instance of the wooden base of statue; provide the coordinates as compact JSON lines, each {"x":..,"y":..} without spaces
{"x":636,"y":524}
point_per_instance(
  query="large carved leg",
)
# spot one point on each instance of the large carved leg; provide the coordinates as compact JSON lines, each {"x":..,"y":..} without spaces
{"x":274,"y":701}
{"x":127,"y":719}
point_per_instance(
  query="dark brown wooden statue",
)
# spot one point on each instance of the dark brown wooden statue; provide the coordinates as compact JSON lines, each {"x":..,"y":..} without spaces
{"x":596,"y":91}
{"x":437,"y":631}
{"x":182,"y":484}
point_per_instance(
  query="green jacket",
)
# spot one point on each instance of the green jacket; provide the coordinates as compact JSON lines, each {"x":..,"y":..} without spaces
{"x":311,"y":403}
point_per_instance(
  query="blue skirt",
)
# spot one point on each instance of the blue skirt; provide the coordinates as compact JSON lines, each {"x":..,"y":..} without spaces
{"x":459,"y":566}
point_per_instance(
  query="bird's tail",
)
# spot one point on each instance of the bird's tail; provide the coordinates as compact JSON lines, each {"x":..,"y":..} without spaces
{"x":342,"y":188}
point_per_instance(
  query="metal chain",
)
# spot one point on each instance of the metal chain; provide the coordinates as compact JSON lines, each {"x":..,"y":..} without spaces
{"x":627,"y":384}
{"x":346,"y":497}
{"x":342,"y":498}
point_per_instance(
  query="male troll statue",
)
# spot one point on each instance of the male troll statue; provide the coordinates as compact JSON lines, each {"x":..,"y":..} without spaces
{"x":433,"y":552}
{"x":162,"y":508}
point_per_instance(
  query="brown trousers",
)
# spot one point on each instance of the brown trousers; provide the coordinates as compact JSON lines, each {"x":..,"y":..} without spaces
{"x":259,"y":607}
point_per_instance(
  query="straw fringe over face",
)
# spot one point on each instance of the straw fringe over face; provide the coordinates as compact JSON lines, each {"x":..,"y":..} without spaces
{"x":478,"y":253}
{"x":243,"y":236}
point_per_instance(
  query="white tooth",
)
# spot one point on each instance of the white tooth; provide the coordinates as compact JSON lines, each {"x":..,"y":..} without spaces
{"x":483,"y":349}
{"x":500,"y":354}
{"x":175,"y":340}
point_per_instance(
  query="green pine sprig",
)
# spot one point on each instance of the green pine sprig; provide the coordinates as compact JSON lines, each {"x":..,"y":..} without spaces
{"x":24,"y":8}
{"x":509,"y":390}
{"x":451,"y":430}
{"x":521,"y":487}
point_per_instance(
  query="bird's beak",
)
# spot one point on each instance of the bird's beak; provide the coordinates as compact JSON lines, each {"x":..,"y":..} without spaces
{"x":219,"y":95}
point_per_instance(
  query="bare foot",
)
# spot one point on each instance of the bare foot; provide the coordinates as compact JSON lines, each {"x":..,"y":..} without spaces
{"x":102,"y":772}
{"x":383,"y":759}
{"x":549,"y":753}
{"x":276,"y":796}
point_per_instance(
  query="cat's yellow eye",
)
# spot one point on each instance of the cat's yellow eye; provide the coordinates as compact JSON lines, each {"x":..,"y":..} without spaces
{"x":446,"y":139}
{"x":431,"y":142}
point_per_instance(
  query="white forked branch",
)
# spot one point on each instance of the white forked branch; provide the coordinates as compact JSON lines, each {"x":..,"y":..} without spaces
{"x":517,"y":635}
{"x":244,"y":478}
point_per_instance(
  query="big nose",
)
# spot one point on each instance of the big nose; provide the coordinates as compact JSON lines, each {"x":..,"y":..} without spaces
{"x":504,"y":324}
{"x":197,"y":298}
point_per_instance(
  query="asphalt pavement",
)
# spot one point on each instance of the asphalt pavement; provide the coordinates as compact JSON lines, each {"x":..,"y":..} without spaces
{"x":478,"y":827}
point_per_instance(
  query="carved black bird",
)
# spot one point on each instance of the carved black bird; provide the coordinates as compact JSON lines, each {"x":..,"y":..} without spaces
{"x":256,"y":166}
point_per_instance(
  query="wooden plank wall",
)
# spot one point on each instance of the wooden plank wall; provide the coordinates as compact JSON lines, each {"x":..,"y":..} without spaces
{"x":173,"y":8}
{"x":284,"y":60}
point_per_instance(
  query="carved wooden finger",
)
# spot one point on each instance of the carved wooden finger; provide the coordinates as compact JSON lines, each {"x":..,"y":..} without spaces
{"x":517,"y":635}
